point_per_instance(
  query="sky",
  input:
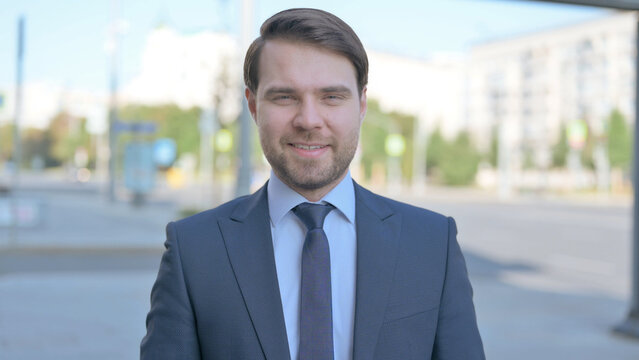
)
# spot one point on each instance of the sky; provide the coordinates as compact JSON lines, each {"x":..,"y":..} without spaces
{"x":66,"y":39}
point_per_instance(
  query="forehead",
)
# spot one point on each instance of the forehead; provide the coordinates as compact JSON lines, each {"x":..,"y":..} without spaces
{"x":301,"y":64}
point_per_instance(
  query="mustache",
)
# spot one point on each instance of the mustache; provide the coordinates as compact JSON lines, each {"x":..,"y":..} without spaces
{"x":307,"y":137}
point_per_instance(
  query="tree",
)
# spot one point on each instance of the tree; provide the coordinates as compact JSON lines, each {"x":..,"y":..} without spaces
{"x":37,"y":143}
{"x":619,"y":141}
{"x":373,"y":136}
{"x":172,"y":122}
{"x":405,"y":124}
{"x":460,"y":161}
{"x":493,"y":152}
{"x":6,"y":141}
{"x":587,"y":157}
{"x":528,"y":153}
{"x":375,"y":129}
{"x":66,"y":134}
{"x":560,"y":149}
{"x":435,"y":150}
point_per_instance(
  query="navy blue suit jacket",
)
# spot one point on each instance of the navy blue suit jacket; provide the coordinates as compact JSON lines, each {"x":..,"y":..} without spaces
{"x":217,"y":296}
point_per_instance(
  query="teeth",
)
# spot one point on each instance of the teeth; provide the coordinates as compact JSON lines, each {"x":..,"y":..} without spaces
{"x":306,"y":147}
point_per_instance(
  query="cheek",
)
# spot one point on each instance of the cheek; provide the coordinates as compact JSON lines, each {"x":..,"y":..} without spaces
{"x":273,"y":118}
{"x":270,"y":130}
{"x":347,"y":122}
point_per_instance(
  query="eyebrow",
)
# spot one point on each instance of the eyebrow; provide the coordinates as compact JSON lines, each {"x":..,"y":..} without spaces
{"x":279,"y":90}
{"x":325,"y":90}
{"x":336,"y":89}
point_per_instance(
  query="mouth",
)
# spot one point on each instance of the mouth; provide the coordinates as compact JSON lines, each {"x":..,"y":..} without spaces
{"x":308,"y":147}
{"x":309,"y":150}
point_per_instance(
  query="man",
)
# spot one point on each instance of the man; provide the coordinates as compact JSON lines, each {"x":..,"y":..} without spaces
{"x":311,"y":266}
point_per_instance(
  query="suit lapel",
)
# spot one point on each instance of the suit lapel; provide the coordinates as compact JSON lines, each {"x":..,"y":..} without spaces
{"x":377,"y":243}
{"x":247,"y":236}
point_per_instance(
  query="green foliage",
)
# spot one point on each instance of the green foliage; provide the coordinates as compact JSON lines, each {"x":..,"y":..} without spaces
{"x":619,"y":141}
{"x":452,"y":162}
{"x":528,"y":157}
{"x":375,"y":129}
{"x":560,"y":149}
{"x":55,"y":145}
{"x":172,"y":122}
{"x":373,"y":136}
{"x":406,"y":126}
{"x":37,"y":143}
{"x":460,"y":161}
{"x":6,"y":141}
{"x":435,"y":150}
{"x":493,"y":152}
{"x":65,"y":135}
{"x":587,"y":158}
{"x":189,"y":211}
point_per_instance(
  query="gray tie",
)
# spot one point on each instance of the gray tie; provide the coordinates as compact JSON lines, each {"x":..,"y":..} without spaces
{"x":316,"y":320}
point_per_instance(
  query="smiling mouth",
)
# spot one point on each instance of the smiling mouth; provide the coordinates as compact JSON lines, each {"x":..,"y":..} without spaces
{"x":308,"y":147}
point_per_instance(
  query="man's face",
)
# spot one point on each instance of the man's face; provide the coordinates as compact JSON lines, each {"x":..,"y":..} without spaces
{"x":308,"y":113}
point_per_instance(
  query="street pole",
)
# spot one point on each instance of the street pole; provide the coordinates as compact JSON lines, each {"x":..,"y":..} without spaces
{"x":244,"y":170}
{"x":113,"y":43}
{"x":630,"y":326}
{"x":17,"y":146}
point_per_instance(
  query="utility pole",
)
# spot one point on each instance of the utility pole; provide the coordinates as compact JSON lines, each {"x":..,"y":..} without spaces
{"x":630,"y":326}
{"x":113,"y":50}
{"x":244,"y":170}
{"x":17,"y":143}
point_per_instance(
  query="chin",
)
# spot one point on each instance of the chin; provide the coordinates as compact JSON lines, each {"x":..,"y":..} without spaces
{"x":314,"y":178}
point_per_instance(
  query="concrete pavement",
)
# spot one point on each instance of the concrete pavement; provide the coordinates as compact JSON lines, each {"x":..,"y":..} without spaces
{"x":77,"y":287}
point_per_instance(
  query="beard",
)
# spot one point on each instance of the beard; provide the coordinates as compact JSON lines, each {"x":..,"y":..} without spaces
{"x":310,"y":174}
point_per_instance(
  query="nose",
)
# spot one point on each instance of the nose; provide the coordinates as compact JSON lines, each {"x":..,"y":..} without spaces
{"x":308,"y":116}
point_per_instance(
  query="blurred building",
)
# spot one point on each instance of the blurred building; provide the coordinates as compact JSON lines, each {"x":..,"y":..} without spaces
{"x":524,"y":88}
{"x":432,"y":90}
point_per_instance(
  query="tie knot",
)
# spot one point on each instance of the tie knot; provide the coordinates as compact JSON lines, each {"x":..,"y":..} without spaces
{"x":312,"y":215}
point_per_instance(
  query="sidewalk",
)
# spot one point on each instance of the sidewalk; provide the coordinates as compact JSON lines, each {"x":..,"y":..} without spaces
{"x":84,"y":219}
{"x":78,"y":285}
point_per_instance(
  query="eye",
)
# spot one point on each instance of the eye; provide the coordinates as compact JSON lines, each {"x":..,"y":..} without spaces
{"x":333,"y":99}
{"x":283,"y":99}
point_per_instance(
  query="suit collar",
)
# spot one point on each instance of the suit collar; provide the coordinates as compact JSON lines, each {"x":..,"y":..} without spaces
{"x":247,"y":237}
{"x":375,"y":203}
{"x":250,"y":204}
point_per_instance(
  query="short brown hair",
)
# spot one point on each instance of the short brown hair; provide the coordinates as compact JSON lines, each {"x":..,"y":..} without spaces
{"x":310,"y":26}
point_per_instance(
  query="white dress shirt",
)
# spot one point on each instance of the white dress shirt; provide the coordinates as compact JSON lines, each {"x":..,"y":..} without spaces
{"x":288,"y":234}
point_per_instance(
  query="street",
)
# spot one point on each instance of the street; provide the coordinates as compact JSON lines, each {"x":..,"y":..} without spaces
{"x":551,"y":276}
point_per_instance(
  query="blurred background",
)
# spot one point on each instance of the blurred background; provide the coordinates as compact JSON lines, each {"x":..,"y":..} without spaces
{"x":515,"y":117}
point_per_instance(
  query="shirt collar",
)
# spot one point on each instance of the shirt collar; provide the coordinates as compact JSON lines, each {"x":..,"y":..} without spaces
{"x":281,"y":198}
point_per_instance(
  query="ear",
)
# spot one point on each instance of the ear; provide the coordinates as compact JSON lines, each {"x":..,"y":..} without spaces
{"x":250,"y":99}
{"x":363,"y":105}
